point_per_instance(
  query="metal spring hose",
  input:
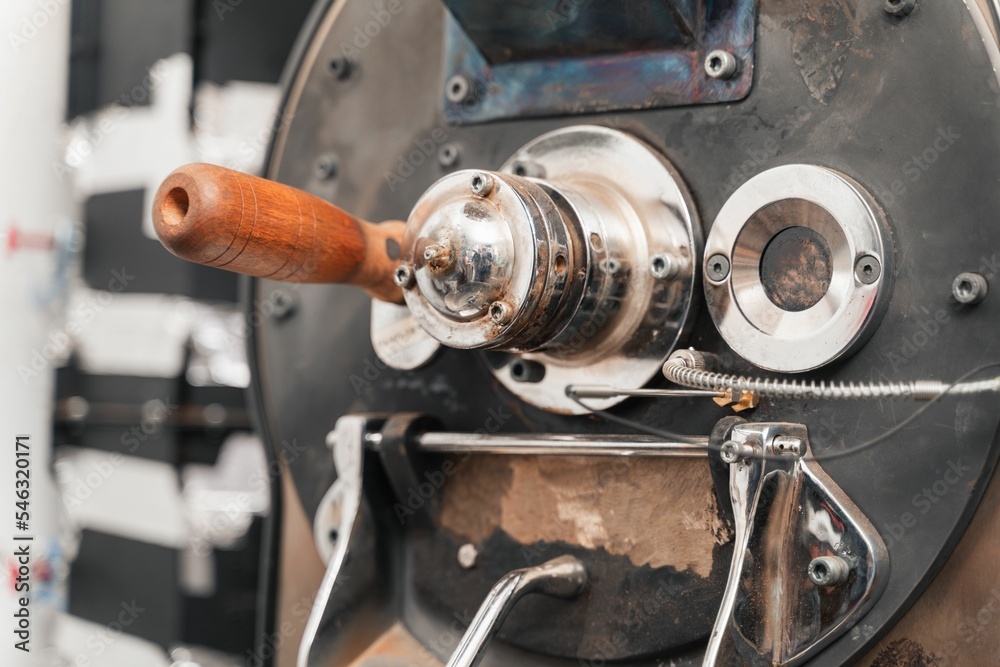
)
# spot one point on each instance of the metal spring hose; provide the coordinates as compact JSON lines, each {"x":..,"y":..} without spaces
{"x":678,"y":369}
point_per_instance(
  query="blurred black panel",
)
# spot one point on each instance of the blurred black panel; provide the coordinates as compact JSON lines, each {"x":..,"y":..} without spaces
{"x":225,"y":620}
{"x":115,"y":42}
{"x":246,"y":40}
{"x":84,"y":66}
{"x":115,"y":580}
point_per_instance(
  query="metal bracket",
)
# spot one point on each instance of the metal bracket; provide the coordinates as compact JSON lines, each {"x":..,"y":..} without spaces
{"x":345,"y":510}
{"x":807,"y":564}
{"x":398,"y":340}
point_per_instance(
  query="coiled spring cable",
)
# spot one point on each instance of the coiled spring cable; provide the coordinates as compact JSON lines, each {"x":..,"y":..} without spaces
{"x":687,"y":368}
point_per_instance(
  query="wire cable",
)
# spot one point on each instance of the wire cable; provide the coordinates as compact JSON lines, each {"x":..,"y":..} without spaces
{"x":946,"y":389}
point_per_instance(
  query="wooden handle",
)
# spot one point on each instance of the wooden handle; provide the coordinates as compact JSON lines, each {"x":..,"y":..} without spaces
{"x":238,"y":222}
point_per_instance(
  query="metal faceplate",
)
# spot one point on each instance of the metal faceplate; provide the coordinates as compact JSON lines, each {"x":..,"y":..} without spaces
{"x":845,"y":86}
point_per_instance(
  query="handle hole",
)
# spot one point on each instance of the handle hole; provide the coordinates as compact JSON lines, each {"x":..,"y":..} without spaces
{"x":175,"y":206}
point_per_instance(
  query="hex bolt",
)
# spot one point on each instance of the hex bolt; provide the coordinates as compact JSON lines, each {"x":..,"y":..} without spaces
{"x":327,"y":166}
{"x":733,"y":452}
{"x":828,"y":571}
{"x":448,"y":155}
{"x":468,"y":556}
{"x":403,"y":276}
{"x":341,"y":68}
{"x":458,"y":89}
{"x":717,"y":268}
{"x":867,"y":269}
{"x":526,"y":370}
{"x":501,"y":312}
{"x":481,"y":184}
{"x":664,"y":266}
{"x":970,"y":289}
{"x":730,"y":452}
{"x":899,"y":8}
{"x":720,"y":64}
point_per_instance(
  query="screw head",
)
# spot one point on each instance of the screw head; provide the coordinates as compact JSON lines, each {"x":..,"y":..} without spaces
{"x":327,"y":166}
{"x":468,"y":556}
{"x":867,"y":269}
{"x":970,"y":289}
{"x":403,"y":276}
{"x":828,"y":571}
{"x":481,"y":184}
{"x":730,"y":451}
{"x":717,"y":268}
{"x":501,"y":312}
{"x":720,"y":64}
{"x":448,"y":155}
{"x":458,"y":89}
{"x":664,"y":266}
{"x":899,"y":8}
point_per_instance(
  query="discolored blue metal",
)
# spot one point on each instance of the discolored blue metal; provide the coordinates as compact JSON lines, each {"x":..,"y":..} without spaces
{"x":639,"y":70}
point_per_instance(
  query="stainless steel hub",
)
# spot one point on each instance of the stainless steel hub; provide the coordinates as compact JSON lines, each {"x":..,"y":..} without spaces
{"x":576,"y":258}
{"x":798,"y":268}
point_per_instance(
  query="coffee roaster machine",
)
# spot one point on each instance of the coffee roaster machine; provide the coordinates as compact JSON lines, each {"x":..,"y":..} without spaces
{"x":672,"y":341}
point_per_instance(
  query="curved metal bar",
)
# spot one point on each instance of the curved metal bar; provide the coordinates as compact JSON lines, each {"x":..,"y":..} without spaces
{"x":347,"y":441}
{"x":563,"y":577}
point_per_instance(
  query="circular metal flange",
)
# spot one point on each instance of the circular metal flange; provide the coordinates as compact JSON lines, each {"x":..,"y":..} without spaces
{"x":811,"y":271}
{"x":633,"y":208}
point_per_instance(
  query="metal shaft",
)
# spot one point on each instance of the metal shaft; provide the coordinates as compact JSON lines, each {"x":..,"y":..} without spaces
{"x":547,"y":444}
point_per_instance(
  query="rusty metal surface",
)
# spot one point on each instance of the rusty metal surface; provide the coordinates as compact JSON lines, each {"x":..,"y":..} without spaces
{"x":573,"y":72}
{"x":796,"y":266}
{"x":652,"y":535}
{"x":548,"y":29}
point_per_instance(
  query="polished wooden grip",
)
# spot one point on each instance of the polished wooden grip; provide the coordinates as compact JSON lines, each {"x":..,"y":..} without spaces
{"x":238,"y":222}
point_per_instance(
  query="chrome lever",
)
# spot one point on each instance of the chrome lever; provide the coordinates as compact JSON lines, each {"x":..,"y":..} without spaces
{"x":807,"y":563}
{"x":563,"y":577}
